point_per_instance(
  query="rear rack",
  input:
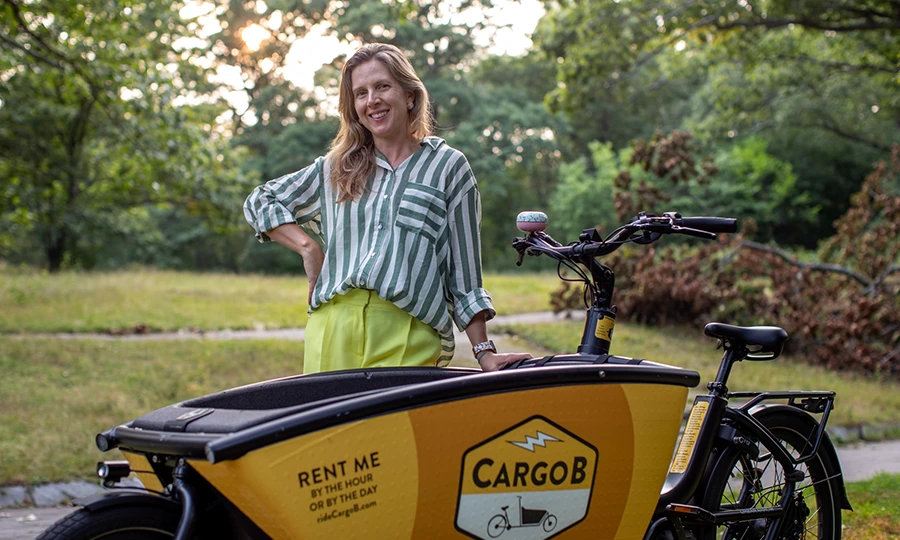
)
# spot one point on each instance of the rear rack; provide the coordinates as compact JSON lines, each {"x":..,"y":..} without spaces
{"x":817,"y":402}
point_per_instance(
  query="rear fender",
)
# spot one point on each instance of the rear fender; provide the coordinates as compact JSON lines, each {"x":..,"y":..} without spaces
{"x":826,"y":448}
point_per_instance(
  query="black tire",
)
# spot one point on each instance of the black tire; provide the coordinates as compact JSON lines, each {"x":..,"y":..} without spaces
{"x":549,"y":523}
{"x":497,"y":525}
{"x":738,"y":481}
{"x":115,"y":523}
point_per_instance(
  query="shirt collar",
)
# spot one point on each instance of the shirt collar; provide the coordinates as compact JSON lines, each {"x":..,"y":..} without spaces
{"x":432,"y":142}
{"x":382,"y":161}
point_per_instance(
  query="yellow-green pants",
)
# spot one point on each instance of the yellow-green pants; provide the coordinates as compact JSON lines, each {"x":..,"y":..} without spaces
{"x":361,"y":330}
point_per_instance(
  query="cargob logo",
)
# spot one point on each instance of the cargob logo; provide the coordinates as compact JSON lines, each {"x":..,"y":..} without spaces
{"x":532,"y":481}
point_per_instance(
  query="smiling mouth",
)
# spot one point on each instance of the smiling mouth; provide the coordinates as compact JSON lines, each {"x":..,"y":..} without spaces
{"x":378,"y":116}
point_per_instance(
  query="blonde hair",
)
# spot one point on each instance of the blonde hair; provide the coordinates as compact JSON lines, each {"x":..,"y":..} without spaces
{"x":352,"y":154}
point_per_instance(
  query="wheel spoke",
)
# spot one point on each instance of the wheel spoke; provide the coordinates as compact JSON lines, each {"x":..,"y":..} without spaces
{"x":743,"y":483}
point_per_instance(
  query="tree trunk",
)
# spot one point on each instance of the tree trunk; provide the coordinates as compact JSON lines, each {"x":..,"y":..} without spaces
{"x":56,"y":249}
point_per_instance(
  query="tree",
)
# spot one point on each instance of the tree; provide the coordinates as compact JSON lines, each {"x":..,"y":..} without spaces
{"x":95,"y":118}
{"x":438,"y":46}
{"x":752,"y":183}
{"x":584,"y":196}
{"x":513,"y":144}
{"x":817,"y":81}
{"x":251,"y":49}
{"x":611,"y":43}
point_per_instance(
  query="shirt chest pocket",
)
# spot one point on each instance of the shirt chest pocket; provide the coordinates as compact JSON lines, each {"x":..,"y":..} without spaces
{"x":423,"y":210}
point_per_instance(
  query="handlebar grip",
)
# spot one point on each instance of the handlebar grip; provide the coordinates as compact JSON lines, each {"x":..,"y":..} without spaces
{"x":710,"y":224}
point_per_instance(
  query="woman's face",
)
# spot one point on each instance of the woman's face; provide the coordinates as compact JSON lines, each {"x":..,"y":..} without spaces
{"x":381,"y":103}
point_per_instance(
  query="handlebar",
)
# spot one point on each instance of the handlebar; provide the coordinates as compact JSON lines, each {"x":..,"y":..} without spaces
{"x":709,"y":224}
{"x":642,"y":229}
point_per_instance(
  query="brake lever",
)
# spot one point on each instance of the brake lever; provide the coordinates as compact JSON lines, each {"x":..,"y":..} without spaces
{"x":523,"y":247}
{"x":706,"y":235}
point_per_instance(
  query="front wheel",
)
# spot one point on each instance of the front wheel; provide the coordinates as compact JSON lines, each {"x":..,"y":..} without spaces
{"x":115,"y":523}
{"x":740,"y":482}
{"x":549,"y":523}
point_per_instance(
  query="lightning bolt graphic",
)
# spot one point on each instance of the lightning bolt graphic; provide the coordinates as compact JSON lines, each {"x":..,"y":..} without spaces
{"x":531,"y":442}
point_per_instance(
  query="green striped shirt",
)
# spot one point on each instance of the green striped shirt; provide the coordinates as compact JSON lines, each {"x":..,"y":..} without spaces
{"x":413,"y":237}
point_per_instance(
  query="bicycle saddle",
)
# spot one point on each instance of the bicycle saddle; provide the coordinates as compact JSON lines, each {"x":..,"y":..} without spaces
{"x":762,"y":342}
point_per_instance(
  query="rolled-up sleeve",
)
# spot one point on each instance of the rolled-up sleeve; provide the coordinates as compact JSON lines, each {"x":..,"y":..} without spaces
{"x":292,"y":198}
{"x":465,"y":280}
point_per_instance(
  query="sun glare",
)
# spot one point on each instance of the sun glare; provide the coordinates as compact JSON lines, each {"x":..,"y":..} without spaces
{"x":254,"y":35}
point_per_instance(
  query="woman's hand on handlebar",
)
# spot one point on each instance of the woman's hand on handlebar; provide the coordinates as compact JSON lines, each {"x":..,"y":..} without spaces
{"x":496,"y":361}
{"x":489,"y":361}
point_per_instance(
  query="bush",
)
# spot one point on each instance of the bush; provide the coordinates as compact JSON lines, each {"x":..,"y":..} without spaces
{"x":843,"y":312}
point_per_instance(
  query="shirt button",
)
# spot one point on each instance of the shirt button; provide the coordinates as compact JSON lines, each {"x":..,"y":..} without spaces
{"x":362,"y":282}
{"x":386,"y":196}
{"x":380,"y":226}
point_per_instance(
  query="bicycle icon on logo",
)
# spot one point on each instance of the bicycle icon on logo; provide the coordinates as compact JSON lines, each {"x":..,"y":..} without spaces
{"x":528,"y":517}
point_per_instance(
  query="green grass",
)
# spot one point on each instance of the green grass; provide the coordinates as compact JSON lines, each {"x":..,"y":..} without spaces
{"x":55,"y":395}
{"x":876,"y":509}
{"x":520,"y":293}
{"x":169,"y":301}
{"x":159,"y":300}
{"x":860,"y":399}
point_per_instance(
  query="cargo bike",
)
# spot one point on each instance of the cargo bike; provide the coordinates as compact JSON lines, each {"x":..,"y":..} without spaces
{"x":578,"y":445}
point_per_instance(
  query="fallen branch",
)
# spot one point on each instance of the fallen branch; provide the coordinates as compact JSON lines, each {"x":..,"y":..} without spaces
{"x":819,"y":267}
{"x":880,"y":279}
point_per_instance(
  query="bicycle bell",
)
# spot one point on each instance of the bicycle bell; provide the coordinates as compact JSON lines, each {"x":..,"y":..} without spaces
{"x":531,"y":221}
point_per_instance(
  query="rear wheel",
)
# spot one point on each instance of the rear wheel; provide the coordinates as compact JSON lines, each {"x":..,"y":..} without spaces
{"x":115,"y":523}
{"x":497,"y":525}
{"x":741,"y":482}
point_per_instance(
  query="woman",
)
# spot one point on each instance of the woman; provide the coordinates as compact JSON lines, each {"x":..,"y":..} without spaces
{"x":397,"y":212}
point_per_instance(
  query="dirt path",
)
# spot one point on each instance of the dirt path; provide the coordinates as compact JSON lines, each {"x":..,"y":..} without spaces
{"x":296,"y":334}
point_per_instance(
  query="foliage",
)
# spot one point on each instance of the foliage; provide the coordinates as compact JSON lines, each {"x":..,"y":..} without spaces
{"x":845,"y":314}
{"x":743,"y":179}
{"x":612,"y":44}
{"x":513,"y":145}
{"x":94,"y":121}
{"x":867,"y":234}
{"x":751,"y":182}
{"x":583,"y":198}
{"x":118,"y":147}
{"x":818,"y":82}
{"x":669,"y":172}
{"x":672,"y":158}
